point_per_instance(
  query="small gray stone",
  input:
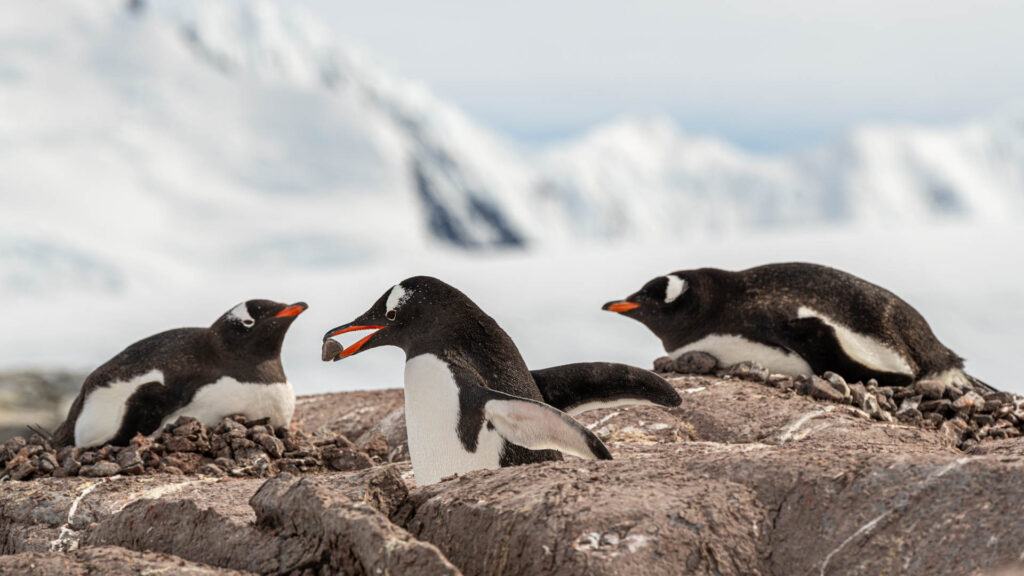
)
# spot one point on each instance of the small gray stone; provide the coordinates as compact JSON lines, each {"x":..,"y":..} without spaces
{"x":665,"y":364}
{"x":696,"y":363}
{"x":211,"y":470}
{"x":909,"y":403}
{"x":859,"y":394}
{"x":822,"y":390}
{"x":129,"y":461}
{"x":70,"y":464}
{"x":231,"y":427}
{"x":99,"y":470}
{"x":969,"y":403}
{"x":752,"y":371}
{"x":331,"y":351}
{"x":833,"y":378}
{"x":930,"y":389}
{"x":272,"y":445}
{"x":941,"y":406}
{"x":187,"y":426}
{"x":984,"y":419}
{"x":910,"y":416}
{"x":803,"y":384}
{"x":871,"y":405}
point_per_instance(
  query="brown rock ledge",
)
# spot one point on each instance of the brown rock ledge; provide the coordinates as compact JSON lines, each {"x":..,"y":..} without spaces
{"x":741,"y":478}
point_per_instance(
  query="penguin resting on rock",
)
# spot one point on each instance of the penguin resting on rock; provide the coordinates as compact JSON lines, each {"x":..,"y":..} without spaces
{"x":794,"y":319}
{"x":232,"y":367}
{"x":470,"y":401}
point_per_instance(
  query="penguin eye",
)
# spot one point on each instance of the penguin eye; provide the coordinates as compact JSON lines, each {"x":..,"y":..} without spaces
{"x":248,"y":322}
{"x":391,"y":315}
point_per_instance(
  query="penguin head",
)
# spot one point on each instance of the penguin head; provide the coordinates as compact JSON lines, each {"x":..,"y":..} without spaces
{"x":663,"y":302}
{"x":257,"y":326}
{"x":415,"y":310}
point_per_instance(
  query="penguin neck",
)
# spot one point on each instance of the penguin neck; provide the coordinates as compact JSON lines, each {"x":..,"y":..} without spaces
{"x":484,"y":348}
{"x":715,"y":288}
{"x":247,"y":365}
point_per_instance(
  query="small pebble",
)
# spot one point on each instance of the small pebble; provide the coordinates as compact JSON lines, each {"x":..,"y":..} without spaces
{"x":331,"y":351}
{"x":751,"y":371}
{"x":930,"y":389}
{"x":823,"y":390}
{"x":696,"y":363}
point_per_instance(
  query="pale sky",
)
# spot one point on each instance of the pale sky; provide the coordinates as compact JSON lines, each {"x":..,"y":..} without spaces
{"x":770,"y":76}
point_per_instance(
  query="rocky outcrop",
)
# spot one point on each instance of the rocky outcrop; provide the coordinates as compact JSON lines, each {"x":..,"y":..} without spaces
{"x":741,"y":478}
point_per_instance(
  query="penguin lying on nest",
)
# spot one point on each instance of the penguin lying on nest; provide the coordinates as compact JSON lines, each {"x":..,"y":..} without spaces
{"x":794,"y":319}
{"x":470,"y":401}
{"x":232,"y":367}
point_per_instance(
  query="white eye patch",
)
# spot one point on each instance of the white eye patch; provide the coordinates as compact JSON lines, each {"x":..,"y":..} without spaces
{"x":675,"y":288}
{"x":396,"y":298}
{"x":241,"y":313}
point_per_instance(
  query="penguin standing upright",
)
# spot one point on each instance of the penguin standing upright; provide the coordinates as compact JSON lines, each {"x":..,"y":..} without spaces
{"x":470,"y":401}
{"x":795,"y":319}
{"x":232,"y":367}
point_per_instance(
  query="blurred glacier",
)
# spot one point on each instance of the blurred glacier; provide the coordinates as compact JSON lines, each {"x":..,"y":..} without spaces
{"x":161,"y":161}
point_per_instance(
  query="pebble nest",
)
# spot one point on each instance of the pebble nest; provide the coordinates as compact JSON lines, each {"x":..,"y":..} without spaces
{"x":235,"y":447}
{"x":965,"y":414}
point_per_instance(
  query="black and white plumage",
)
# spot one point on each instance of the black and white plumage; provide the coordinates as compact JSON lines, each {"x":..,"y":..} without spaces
{"x":232,"y":367}
{"x":794,"y":318}
{"x":470,"y":401}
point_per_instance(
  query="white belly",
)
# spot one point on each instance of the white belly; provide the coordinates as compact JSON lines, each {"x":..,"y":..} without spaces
{"x":730,"y":349}
{"x":861,"y":348}
{"x":431,"y":419}
{"x":104,"y":409}
{"x":228,"y":396}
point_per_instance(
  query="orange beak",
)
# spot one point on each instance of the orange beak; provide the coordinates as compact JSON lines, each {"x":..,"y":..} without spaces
{"x":620,"y":306}
{"x":359,"y":344}
{"x":293,"y":310}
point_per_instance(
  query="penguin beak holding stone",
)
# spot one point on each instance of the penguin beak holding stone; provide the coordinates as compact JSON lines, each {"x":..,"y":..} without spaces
{"x":333,"y":351}
{"x":620,"y":306}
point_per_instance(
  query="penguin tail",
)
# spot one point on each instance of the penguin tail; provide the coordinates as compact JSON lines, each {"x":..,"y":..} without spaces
{"x":43,"y":432}
{"x":577,"y":388}
{"x":979,"y":384}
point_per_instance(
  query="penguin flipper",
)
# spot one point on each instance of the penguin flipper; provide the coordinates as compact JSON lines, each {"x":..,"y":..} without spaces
{"x":988,"y":388}
{"x":577,"y":388}
{"x":537,"y":426}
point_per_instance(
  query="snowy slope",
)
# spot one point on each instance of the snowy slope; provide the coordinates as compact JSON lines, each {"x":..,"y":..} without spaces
{"x":644,"y":178}
{"x":159,"y":166}
{"x":205,"y":132}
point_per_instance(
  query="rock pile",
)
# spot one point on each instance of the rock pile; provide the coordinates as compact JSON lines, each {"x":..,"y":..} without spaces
{"x":740,"y":478}
{"x":235,"y":447}
{"x":964,"y":414}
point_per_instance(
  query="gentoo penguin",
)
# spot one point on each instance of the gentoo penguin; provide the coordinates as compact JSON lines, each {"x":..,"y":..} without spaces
{"x":232,"y":367}
{"x":470,"y":401}
{"x":794,"y":318}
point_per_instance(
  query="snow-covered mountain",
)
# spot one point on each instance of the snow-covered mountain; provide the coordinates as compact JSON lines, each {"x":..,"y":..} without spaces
{"x":162,"y":161}
{"x":176,"y":136}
